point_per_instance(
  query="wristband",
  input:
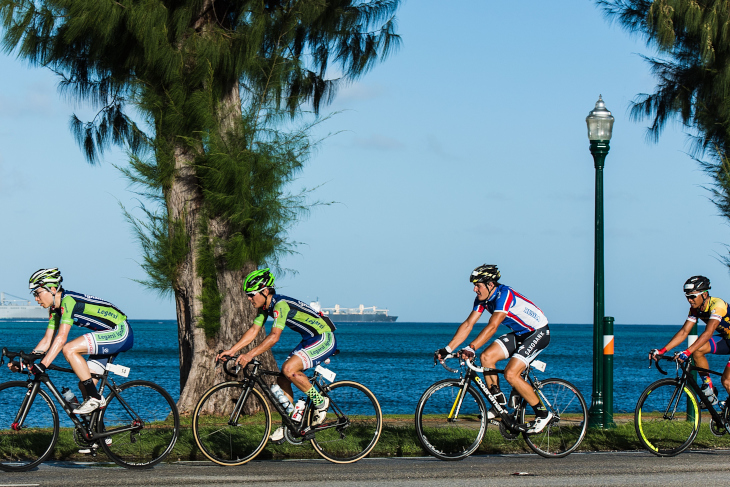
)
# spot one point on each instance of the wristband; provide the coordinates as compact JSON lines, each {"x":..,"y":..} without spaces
{"x":662,"y":351}
{"x":448,"y":349}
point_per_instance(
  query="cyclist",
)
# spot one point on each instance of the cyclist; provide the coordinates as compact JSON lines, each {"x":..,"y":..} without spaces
{"x":714,"y":312}
{"x":110,"y":335}
{"x":318,"y":339}
{"x":530,"y":335}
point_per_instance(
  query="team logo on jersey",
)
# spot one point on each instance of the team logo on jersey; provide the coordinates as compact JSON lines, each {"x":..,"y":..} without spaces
{"x":276,"y":313}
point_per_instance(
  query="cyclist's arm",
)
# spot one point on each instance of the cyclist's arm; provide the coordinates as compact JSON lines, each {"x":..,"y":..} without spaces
{"x":681,"y":335}
{"x":267,"y":343}
{"x":247,"y":338}
{"x":45,"y":342}
{"x":57,"y":344}
{"x":464,"y":329}
{"x":489,"y":330}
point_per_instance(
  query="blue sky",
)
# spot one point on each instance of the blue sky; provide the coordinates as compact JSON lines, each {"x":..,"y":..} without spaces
{"x":467,"y":146}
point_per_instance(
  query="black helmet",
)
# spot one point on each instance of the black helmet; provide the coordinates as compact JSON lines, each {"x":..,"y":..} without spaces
{"x":697,"y":283}
{"x":484,"y":273}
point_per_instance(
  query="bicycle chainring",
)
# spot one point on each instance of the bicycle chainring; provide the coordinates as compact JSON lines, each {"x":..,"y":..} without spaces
{"x":290,"y":439}
{"x":715,"y":429}
{"x":80,"y":440}
{"x":507,"y":434}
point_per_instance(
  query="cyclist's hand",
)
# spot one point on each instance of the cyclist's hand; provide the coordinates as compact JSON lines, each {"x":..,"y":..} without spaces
{"x":37,"y":369}
{"x":223,"y":356}
{"x":467,"y":353}
{"x":683,"y":356}
{"x":654,"y":352}
{"x":14,"y":366}
{"x":441,"y":353}
{"x":244,"y":359}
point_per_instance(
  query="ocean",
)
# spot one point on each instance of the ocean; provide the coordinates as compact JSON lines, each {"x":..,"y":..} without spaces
{"x":394,"y":360}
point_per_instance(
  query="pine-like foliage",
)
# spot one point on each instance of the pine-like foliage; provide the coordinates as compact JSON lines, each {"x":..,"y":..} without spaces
{"x":692,"y":39}
{"x":219,"y":84}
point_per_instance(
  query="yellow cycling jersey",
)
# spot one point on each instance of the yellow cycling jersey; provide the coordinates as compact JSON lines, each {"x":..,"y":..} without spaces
{"x":713,"y":309}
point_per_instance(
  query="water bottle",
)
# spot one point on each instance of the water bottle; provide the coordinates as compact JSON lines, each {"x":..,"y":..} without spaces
{"x":298,"y":410}
{"x":69,"y":396}
{"x":281,"y":397}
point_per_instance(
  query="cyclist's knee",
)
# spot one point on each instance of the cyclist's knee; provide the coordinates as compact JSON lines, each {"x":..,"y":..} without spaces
{"x":290,"y":370}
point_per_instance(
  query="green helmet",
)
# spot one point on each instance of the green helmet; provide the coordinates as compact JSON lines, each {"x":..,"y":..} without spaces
{"x":258,"y":280}
{"x":484,"y":273}
{"x":45,"y":278}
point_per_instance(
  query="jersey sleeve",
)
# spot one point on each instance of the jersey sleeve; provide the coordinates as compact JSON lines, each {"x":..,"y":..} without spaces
{"x":504,"y":301}
{"x":719,"y":310}
{"x":692,"y":316}
{"x":281,"y":312}
{"x":478,"y":306}
{"x":260,"y":318}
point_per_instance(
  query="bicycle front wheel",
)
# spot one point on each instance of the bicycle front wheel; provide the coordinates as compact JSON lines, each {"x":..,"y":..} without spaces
{"x":448,"y":425}
{"x":667,"y":418}
{"x":352,"y":425}
{"x":23,"y":447}
{"x":570,"y":419}
{"x":230,"y":428}
{"x":151,"y":414}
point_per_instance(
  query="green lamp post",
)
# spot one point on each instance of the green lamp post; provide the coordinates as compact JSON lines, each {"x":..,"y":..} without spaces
{"x":600,"y":126}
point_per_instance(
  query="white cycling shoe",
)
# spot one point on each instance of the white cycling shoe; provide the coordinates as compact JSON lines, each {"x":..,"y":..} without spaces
{"x":90,"y":405}
{"x":538,"y":424}
{"x":278,"y":435}
{"x":320,"y":412}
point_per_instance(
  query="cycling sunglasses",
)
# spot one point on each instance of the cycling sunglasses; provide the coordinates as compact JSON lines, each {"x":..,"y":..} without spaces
{"x":250,"y":295}
{"x":693,"y":295}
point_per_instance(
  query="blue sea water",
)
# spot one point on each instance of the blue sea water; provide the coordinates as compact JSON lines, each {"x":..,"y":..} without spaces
{"x":395,"y":360}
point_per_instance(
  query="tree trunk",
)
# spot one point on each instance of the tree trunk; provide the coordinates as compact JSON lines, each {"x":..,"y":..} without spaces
{"x":197,"y":352}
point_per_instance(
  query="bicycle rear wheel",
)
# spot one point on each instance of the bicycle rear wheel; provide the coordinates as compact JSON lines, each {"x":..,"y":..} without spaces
{"x":24,"y":448}
{"x":152,"y":414}
{"x":567,"y":428}
{"x":667,"y":418}
{"x":354,"y":422}
{"x":449,"y":426}
{"x":225,"y":438}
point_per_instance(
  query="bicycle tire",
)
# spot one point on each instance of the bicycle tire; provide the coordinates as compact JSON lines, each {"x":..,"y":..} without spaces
{"x":667,"y":419}
{"x":356,"y":419}
{"x":566,"y":430}
{"x":441,"y":435}
{"x":227,"y":444}
{"x":31,"y":445}
{"x":149,"y":443}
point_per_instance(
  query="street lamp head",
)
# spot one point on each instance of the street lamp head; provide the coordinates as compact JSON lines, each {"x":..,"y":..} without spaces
{"x":600,"y":122}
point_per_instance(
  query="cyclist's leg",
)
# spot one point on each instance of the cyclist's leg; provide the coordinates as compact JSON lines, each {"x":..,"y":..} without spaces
{"x":500,"y":349}
{"x":529,"y":346}
{"x":309,"y":353}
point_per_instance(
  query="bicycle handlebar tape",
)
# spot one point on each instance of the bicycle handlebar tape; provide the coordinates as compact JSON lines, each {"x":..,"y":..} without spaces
{"x":608,"y":372}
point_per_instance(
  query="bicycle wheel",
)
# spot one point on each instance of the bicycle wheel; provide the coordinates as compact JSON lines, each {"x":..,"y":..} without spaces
{"x":152,"y":413}
{"x":25,"y":448}
{"x":228,"y":440}
{"x":449,"y":426}
{"x":568,"y":426}
{"x":353,"y":423}
{"x":667,"y":418}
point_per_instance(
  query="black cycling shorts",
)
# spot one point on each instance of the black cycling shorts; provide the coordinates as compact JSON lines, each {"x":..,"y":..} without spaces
{"x":524,"y":347}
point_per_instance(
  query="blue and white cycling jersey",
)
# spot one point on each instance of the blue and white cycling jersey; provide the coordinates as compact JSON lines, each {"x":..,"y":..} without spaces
{"x":522,"y":314}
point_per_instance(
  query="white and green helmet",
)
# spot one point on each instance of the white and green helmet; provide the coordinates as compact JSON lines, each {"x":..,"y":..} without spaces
{"x":45,"y":278}
{"x":258,"y":280}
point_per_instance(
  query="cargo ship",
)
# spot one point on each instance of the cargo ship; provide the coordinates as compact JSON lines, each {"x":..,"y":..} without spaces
{"x":355,"y":315}
{"x":20,"y":309}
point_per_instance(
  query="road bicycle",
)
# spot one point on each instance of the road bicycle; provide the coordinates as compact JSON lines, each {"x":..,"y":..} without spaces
{"x":137,"y":428}
{"x":668,"y":414}
{"x":451,"y":416}
{"x":232,"y":420}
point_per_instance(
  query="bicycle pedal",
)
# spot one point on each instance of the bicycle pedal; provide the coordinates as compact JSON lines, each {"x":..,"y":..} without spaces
{"x":278,"y":442}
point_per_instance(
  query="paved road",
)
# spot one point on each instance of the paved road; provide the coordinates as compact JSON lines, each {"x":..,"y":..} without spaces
{"x":622,"y":468}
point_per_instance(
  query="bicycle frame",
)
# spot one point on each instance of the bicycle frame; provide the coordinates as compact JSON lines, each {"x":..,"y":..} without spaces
{"x":88,"y":427}
{"x":684,"y":380}
{"x":254,"y":376}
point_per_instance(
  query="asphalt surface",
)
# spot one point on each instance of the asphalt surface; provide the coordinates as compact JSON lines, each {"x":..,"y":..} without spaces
{"x":702,"y":468}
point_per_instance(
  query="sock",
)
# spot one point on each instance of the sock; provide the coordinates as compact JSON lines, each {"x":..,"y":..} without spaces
{"x":91,"y":389}
{"x":706,"y":379}
{"x":540,"y":410}
{"x":316,"y":398}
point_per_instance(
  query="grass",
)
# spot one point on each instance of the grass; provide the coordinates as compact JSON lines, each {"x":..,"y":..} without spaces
{"x":398,"y":439}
